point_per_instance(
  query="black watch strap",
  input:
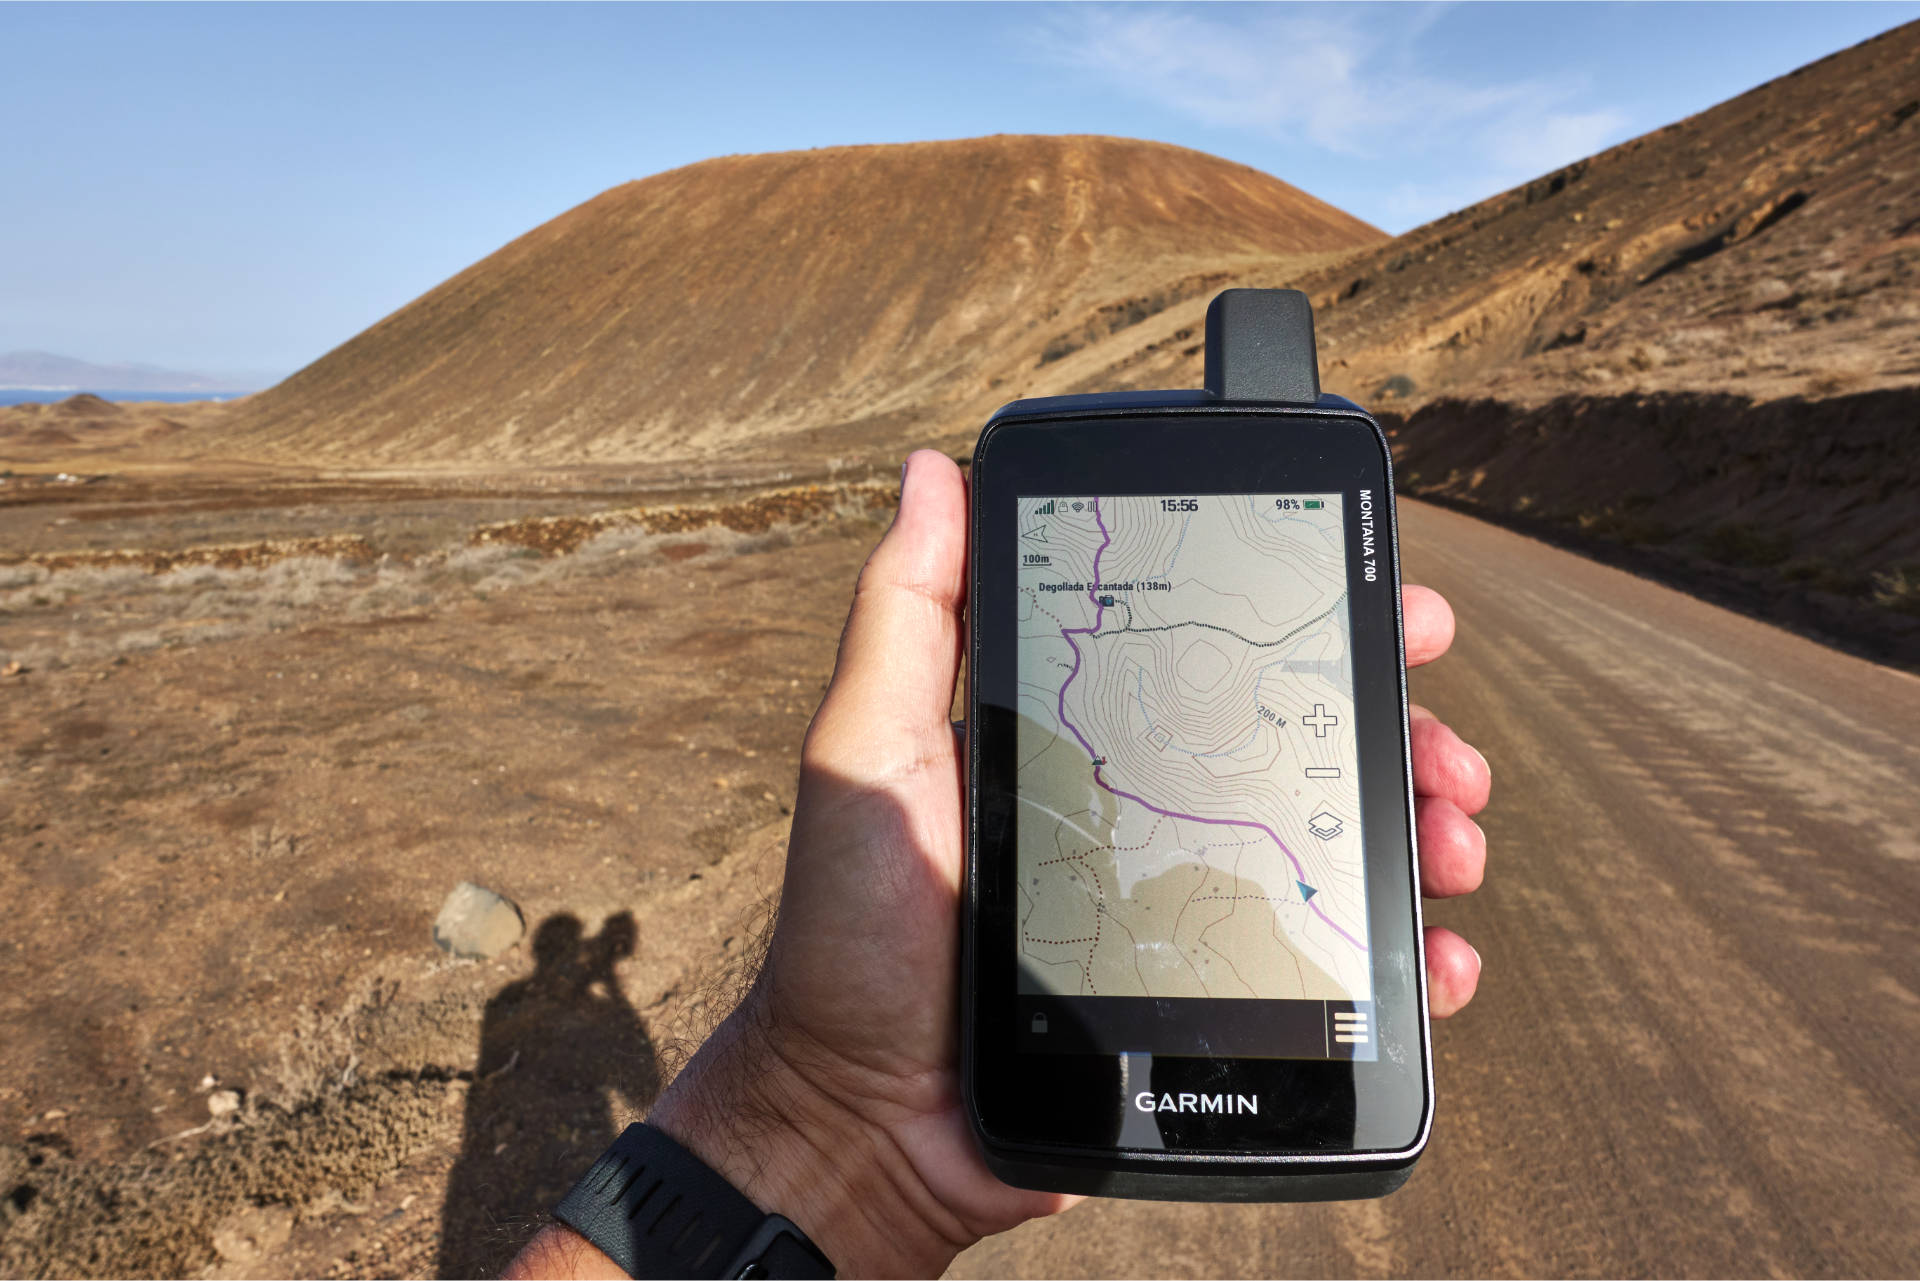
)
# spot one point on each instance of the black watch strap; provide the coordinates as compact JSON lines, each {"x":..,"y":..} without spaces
{"x":657,"y":1210}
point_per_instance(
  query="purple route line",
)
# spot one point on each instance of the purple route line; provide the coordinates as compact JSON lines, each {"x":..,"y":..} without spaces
{"x":1067,"y":634}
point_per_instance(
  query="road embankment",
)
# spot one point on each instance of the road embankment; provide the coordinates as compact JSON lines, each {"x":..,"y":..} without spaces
{"x":1800,"y":512}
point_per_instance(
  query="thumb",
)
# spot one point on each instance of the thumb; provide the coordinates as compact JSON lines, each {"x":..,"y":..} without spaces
{"x":887,"y":707}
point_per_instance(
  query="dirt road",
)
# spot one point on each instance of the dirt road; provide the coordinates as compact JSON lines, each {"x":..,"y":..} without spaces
{"x":1693,"y":1051}
{"x":229,"y":813}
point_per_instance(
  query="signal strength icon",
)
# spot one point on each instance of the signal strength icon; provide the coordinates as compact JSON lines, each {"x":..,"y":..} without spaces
{"x":1045,"y":509}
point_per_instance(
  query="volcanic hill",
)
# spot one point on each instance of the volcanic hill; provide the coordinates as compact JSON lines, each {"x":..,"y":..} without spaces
{"x":859,"y":295}
{"x":1769,"y":245}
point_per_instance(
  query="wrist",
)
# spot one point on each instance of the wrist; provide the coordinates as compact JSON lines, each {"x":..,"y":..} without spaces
{"x":794,"y":1145}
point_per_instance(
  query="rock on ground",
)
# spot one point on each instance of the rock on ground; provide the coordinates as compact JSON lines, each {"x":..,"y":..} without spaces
{"x":477,"y":923}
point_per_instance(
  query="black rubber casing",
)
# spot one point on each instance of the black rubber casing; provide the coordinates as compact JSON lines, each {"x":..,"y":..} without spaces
{"x":1355,"y":1130}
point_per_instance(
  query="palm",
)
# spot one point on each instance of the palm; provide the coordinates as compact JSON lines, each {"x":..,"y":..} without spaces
{"x":865,"y":957}
{"x":859,"y":998}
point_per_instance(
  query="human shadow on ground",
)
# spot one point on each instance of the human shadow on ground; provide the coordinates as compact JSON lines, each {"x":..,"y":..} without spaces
{"x":559,"y":1050}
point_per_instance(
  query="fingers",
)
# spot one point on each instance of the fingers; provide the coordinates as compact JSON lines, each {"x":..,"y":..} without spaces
{"x":1453,"y":849}
{"x":893,"y":679}
{"x":1453,"y":971}
{"x":1450,"y":782}
{"x":1428,"y":621}
{"x":1444,"y":765}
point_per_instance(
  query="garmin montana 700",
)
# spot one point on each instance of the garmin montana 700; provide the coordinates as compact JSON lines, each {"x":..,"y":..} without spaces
{"x":1192,"y":960}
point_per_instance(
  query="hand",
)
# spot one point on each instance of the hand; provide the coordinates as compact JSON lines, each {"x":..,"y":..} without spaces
{"x":833,"y":1094}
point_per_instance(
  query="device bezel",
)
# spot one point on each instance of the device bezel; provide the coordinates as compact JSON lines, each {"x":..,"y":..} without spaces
{"x":1067,"y":1110}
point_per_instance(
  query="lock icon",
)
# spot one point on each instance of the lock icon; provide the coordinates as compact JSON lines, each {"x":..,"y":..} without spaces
{"x":1039,"y":1023}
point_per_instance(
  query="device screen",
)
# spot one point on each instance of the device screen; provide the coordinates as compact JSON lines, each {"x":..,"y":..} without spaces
{"x":1188,"y":820}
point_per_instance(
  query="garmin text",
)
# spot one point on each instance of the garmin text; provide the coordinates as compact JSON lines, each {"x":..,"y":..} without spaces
{"x":1231,"y":1104}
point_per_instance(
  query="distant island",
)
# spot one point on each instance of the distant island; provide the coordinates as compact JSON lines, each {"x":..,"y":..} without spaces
{"x":37,"y":375}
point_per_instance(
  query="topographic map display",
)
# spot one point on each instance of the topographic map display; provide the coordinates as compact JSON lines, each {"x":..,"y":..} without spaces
{"x":1188,"y":820}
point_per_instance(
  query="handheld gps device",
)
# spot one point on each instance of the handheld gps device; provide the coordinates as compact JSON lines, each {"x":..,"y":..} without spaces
{"x":1192,"y":960}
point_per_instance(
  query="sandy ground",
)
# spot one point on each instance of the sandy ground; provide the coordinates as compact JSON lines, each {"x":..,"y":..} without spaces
{"x":226,"y":848}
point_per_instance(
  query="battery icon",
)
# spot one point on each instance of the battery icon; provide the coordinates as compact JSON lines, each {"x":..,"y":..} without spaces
{"x":1313,"y":504}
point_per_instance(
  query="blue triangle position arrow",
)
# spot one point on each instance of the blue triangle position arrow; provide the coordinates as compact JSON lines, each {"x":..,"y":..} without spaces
{"x":1306,"y":891}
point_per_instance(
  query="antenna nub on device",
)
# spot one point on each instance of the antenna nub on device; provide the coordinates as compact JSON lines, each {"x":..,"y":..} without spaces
{"x":1260,"y":347}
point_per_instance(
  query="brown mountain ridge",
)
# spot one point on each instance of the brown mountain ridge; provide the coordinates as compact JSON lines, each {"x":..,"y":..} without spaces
{"x":1768,"y":246}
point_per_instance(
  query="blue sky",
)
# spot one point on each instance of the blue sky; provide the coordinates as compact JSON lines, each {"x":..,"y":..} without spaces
{"x":238,"y":188}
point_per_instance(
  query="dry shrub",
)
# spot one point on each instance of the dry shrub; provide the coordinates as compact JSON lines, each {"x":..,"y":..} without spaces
{"x":35,"y":658}
{"x":190,"y":576}
{"x":1840,"y":373}
{"x":389,"y":594}
{"x":1743,"y":544}
{"x":1827,"y":280}
{"x":139,"y":642}
{"x":194,"y":600}
{"x":1647,"y":355}
{"x":216,"y":603}
{"x":16,"y":576}
{"x":1696,"y":336}
{"x":1897,"y":313}
{"x":471,"y":563}
{"x":1633,"y":528}
{"x":319,"y":1056}
{"x":302,"y":580}
{"x":1898,"y":589}
{"x":56,"y":589}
